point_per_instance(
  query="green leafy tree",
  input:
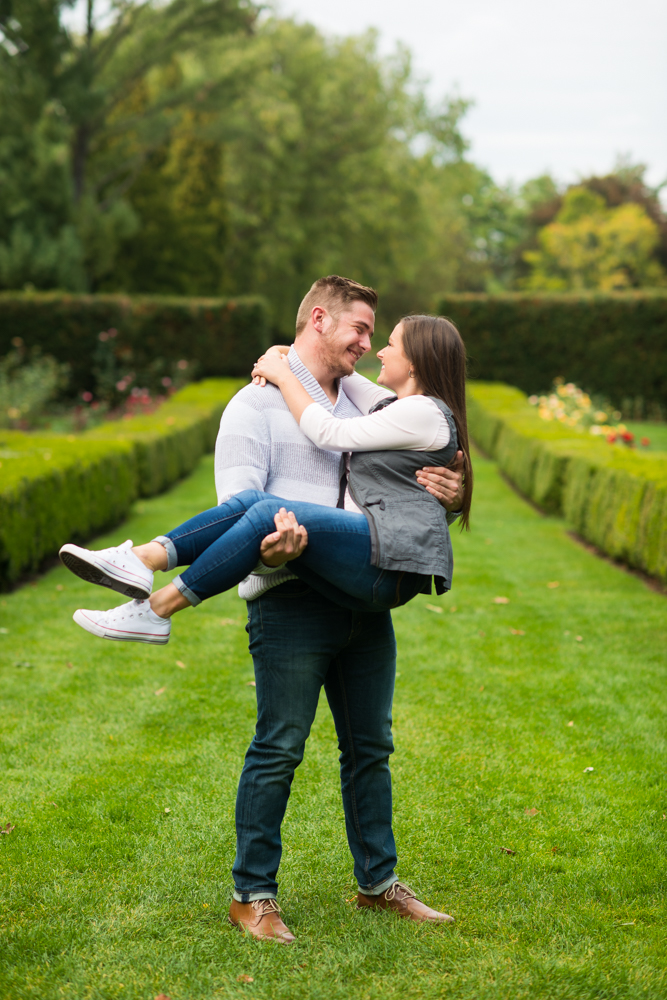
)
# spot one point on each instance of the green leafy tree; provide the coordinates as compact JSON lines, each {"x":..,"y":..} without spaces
{"x":591,"y":246}
{"x":336,"y":163}
{"x":72,"y":141}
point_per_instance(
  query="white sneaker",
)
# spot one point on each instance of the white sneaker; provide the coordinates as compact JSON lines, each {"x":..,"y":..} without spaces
{"x":117,"y":568}
{"x":133,"y":622}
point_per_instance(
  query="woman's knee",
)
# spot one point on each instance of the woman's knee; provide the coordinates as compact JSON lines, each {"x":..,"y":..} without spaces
{"x":262,"y":515}
{"x":249,"y":498}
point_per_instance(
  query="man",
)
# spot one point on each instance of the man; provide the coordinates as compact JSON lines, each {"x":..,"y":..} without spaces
{"x":300,"y":640}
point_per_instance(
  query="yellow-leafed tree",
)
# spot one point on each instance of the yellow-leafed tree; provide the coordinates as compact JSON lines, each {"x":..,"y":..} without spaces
{"x":591,"y":246}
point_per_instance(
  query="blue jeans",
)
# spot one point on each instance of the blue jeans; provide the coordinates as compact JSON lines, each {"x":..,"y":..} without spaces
{"x":300,"y":641}
{"x":221,"y":547}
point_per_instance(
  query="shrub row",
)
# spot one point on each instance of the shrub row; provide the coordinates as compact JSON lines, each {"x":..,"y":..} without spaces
{"x":612,"y":497}
{"x":613,"y":344}
{"x":59,"y":488}
{"x":223,"y":336}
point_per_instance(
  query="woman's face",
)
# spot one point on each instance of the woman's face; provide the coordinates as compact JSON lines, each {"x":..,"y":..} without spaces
{"x":395,"y":372}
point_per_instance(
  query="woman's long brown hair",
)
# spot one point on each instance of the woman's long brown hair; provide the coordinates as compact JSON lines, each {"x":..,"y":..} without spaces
{"x":437,"y":354}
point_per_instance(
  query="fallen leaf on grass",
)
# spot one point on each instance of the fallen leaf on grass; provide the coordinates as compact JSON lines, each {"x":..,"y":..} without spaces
{"x":483,"y":634}
{"x":432,"y":607}
{"x":555,"y":850}
{"x":245,"y":979}
{"x":179,"y":663}
{"x":163,"y":996}
{"x":7,"y":829}
{"x":251,"y":684}
{"x":553,"y":585}
{"x":69,"y":665}
{"x":579,"y":638}
{"x":53,"y":804}
{"x":482,"y":688}
{"x":4,"y":631}
{"x":531,"y":812}
{"x":664,"y":816}
{"x":629,"y":923}
{"x":517,"y":631}
{"x":586,"y":769}
{"x":570,"y":723}
{"x":501,"y":600}
{"x":59,"y":586}
{"x":507,"y":850}
{"x":167,"y":809}
{"x":161,"y":691}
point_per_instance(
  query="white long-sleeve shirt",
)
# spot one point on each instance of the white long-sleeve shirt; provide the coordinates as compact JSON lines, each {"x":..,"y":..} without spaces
{"x":414,"y":423}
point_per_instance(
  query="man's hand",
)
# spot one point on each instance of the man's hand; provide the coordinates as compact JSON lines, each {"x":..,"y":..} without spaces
{"x":446,"y":485}
{"x":286,"y":543}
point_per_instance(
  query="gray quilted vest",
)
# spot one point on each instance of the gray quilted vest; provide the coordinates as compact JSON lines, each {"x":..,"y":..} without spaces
{"x":409,"y":530}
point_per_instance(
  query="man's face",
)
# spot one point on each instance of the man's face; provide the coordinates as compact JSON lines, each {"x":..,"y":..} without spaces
{"x":342,"y":345}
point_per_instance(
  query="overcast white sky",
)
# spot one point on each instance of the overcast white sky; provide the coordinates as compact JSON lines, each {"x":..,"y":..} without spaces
{"x":564,"y":86}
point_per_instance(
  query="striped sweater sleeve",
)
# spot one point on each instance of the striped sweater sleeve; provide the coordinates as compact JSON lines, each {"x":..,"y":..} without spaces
{"x":242,"y":449}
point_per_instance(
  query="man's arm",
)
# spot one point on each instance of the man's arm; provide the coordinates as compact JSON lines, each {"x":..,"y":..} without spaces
{"x":242,"y":448}
{"x":242,"y":456}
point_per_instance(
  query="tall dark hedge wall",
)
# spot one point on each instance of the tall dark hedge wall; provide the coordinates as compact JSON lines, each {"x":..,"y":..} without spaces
{"x":224,"y":336}
{"x":612,"y":344}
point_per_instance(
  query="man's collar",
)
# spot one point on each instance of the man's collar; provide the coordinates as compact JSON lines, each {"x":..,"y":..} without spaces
{"x":310,"y":383}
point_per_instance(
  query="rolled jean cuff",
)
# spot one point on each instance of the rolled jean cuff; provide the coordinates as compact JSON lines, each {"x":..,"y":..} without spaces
{"x":172,"y":557}
{"x":185,"y":590}
{"x":250,"y":897}
{"x":377,"y":890}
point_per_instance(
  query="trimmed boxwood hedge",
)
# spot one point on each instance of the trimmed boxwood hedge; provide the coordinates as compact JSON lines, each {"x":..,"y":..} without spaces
{"x":58,"y":488}
{"x":223,"y":336}
{"x":613,"y":497}
{"x":613,"y":344}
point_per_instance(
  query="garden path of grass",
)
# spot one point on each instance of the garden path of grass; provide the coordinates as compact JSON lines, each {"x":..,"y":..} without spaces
{"x":120,"y":764}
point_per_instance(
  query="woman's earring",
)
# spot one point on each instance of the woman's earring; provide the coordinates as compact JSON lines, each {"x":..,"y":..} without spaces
{"x":411,"y":374}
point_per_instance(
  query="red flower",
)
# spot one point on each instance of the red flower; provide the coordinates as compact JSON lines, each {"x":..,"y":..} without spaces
{"x":627,"y":436}
{"x":646,"y":442}
{"x":611,"y":438}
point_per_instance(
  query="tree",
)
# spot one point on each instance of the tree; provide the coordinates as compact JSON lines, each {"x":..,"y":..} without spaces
{"x":591,"y":246}
{"x":336,"y":163}
{"x":67,"y":102}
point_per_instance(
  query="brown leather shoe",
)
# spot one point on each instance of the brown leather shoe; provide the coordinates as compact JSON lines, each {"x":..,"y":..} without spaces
{"x":402,"y":900}
{"x":260,"y":918}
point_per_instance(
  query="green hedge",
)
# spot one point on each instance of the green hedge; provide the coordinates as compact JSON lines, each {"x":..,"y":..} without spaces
{"x":59,"y":488}
{"x":611,"y":496}
{"x":223,"y":336}
{"x":614,"y":344}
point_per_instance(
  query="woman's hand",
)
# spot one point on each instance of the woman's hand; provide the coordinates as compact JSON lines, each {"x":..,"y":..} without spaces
{"x":272,"y":367}
{"x":277,"y":351}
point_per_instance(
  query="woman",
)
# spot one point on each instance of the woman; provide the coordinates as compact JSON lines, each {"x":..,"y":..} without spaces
{"x":379,"y":550}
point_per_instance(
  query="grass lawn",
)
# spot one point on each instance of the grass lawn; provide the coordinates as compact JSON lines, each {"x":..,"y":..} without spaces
{"x":529,"y":777}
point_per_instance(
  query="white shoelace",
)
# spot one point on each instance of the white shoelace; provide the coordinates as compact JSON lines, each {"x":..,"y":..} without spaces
{"x":267,"y":905}
{"x":391,"y":891}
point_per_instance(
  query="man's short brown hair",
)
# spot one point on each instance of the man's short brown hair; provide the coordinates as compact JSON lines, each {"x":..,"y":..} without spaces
{"x":334,"y":293}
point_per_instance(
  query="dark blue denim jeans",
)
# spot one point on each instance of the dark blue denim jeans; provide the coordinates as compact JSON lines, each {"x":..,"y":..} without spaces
{"x":300,"y":641}
{"x":221,"y":547}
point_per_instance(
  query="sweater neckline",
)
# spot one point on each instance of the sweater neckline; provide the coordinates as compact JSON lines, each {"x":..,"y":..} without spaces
{"x":310,"y":383}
